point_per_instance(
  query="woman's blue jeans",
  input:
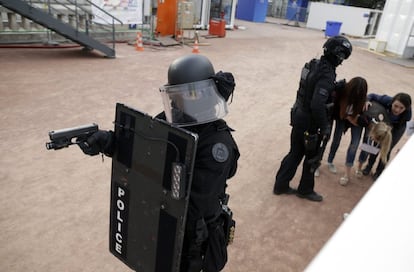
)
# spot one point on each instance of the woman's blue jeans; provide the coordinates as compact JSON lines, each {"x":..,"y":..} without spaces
{"x":356,"y":132}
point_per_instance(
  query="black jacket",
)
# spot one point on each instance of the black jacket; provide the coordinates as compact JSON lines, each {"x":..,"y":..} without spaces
{"x":216,"y":161}
{"x":312,"y":113}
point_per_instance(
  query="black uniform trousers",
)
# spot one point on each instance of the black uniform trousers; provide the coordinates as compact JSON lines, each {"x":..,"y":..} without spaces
{"x":291,"y":162}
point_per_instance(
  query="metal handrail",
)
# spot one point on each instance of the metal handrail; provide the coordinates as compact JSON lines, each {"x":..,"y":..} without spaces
{"x":110,"y":15}
{"x":83,"y":16}
{"x":76,"y":10}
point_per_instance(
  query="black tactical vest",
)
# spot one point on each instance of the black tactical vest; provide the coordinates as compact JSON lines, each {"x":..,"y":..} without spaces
{"x":307,"y":83}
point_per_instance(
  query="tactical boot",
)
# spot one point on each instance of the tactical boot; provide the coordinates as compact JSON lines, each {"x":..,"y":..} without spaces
{"x":366,"y":171}
{"x":314,"y":196}
{"x":289,"y":191}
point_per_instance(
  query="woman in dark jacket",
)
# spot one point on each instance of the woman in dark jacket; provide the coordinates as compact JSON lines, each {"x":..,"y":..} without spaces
{"x":399,"y":112}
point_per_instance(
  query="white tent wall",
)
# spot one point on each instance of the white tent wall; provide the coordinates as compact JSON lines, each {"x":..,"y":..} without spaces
{"x":354,"y":20}
{"x":396,"y":27}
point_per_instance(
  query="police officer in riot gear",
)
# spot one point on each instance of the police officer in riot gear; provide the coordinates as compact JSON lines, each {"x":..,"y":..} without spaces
{"x":310,"y":119}
{"x":195,"y":98}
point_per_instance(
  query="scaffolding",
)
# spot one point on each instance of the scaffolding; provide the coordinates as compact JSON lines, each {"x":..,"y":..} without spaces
{"x":184,"y":27}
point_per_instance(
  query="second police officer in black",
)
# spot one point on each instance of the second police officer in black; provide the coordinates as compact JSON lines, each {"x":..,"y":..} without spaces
{"x":310,"y":118}
{"x":195,"y":98}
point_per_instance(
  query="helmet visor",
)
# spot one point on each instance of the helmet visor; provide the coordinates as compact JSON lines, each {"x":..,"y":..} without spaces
{"x":193,"y":103}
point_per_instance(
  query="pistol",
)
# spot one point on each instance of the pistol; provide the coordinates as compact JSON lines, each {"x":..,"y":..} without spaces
{"x":315,"y":162}
{"x":63,"y":137}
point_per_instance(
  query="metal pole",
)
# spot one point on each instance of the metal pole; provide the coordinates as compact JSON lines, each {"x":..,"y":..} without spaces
{"x":48,"y":33}
{"x":113,"y":33}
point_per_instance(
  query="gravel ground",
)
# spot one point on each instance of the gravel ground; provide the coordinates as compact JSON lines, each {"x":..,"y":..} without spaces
{"x":54,"y":205}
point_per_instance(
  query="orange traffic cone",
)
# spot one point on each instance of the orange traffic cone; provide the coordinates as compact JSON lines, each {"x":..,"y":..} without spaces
{"x":195,"y":46}
{"x":138,"y":45}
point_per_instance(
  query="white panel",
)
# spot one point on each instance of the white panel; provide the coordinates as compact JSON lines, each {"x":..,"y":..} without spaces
{"x":354,"y":20}
{"x":410,"y":42}
{"x":148,"y":8}
{"x":395,"y":26}
{"x":378,"y":233}
{"x":128,"y":13}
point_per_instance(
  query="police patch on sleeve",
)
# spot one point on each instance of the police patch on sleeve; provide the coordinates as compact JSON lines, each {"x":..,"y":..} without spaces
{"x":220,"y":152}
{"x":323,"y":92}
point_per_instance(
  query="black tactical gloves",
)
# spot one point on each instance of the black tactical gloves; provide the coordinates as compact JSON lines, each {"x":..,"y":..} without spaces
{"x":340,"y":85}
{"x":101,"y":141}
{"x":325,"y":133}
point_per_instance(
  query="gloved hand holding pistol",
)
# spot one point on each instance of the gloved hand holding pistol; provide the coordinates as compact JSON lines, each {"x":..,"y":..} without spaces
{"x":99,"y":142}
{"x":325,"y":133}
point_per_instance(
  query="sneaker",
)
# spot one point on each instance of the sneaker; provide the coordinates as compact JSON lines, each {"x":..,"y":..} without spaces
{"x":316,"y":174}
{"x":332,"y":168}
{"x":344,"y":180}
{"x":311,"y":196}
{"x":358,"y":173}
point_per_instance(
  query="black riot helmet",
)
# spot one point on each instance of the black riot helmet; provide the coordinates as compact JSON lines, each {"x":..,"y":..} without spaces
{"x":336,"y":49}
{"x":191,"y":96}
{"x":190,"y":68}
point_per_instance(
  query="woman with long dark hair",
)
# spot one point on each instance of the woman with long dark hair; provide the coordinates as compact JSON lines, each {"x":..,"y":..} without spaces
{"x":349,"y":105}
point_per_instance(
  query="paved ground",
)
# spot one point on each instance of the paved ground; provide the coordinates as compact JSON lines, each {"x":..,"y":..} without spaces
{"x":54,"y":205}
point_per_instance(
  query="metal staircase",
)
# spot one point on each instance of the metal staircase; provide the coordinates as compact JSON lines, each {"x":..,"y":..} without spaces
{"x":45,"y":14}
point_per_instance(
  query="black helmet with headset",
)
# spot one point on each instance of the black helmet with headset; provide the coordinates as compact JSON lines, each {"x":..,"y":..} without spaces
{"x":336,"y":49}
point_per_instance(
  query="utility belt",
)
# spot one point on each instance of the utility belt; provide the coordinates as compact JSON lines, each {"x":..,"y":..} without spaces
{"x":311,"y":141}
{"x":208,"y":250}
{"x":223,"y":218}
{"x":299,"y":103}
{"x":229,"y":224}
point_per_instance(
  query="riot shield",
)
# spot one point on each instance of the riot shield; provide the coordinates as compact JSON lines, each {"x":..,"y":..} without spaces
{"x":151,"y":180}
